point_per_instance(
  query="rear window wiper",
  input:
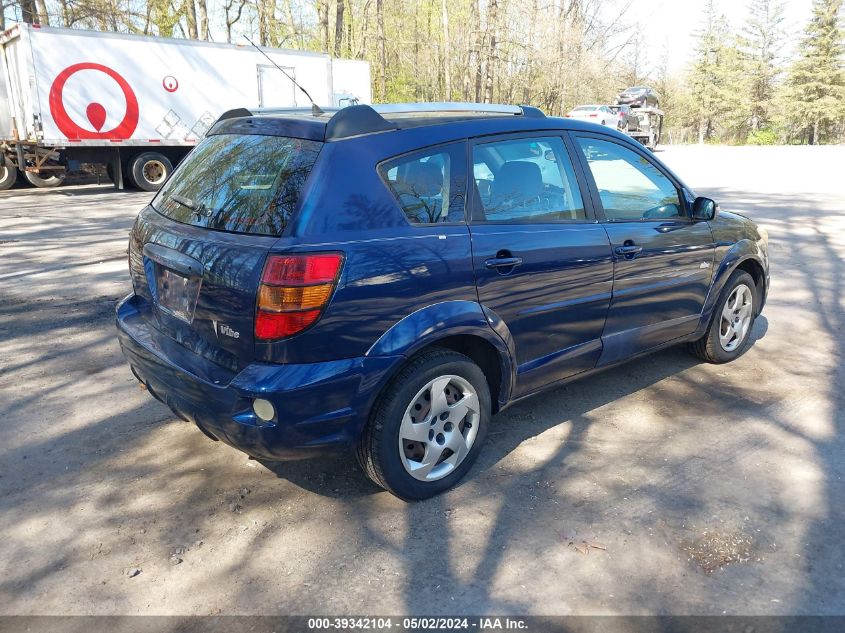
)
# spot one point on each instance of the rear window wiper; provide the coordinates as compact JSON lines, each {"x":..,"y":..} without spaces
{"x":197,"y":207}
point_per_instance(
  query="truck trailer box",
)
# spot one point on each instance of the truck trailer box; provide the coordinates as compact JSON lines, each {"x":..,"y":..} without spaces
{"x":64,"y":93}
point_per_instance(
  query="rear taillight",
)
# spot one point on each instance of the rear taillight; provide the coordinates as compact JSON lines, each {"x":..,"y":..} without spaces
{"x":294,"y":291}
{"x":594,"y":114}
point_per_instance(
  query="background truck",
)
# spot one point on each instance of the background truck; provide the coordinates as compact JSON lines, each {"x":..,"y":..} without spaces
{"x":644,"y":124}
{"x":138,"y":104}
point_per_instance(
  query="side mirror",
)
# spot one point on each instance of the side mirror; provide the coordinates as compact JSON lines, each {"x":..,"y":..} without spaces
{"x":550,"y":155}
{"x":704,"y":208}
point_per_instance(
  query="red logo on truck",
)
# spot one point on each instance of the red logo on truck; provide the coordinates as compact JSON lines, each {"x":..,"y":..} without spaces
{"x":95,"y":112}
{"x":170,"y":83}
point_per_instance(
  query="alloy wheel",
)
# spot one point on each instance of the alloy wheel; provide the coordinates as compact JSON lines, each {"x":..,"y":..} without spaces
{"x":736,"y":318}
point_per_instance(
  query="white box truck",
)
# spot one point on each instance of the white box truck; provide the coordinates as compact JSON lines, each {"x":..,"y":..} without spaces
{"x":138,"y":104}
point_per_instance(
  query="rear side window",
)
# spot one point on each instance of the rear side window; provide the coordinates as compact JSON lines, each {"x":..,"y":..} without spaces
{"x":526,"y":180}
{"x":429,"y":185}
{"x":242,"y":183}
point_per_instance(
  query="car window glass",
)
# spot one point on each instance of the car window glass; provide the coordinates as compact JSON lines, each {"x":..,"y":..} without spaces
{"x":630,"y":186}
{"x":242,"y":183}
{"x":526,"y":180}
{"x":429,"y":185}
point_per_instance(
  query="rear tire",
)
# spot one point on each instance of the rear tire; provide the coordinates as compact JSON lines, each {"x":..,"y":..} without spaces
{"x":149,"y":171}
{"x":428,"y":426}
{"x":43,"y":182}
{"x":8,"y":176}
{"x":732,"y":321}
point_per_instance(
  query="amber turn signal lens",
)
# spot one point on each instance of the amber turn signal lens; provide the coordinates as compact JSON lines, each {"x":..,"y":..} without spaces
{"x":286,"y":298}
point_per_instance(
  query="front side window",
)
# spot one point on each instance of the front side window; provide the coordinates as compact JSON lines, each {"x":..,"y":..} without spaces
{"x":242,"y":183}
{"x":630,"y":186}
{"x":429,"y":185}
{"x":526,"y":180}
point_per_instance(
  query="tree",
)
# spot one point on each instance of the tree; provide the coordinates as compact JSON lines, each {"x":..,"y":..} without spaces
{"x":490,"y":61}
{"x":202,"y":12}
{"x":716,"y":97}
{"x":382,"y":54}
{"x":323,"y":19}
{"x":338,"y":28}
{"x":447,"y":53}
{"x":762,"y":41}
{"x":232,"y":18}
{"x":816,"y":87}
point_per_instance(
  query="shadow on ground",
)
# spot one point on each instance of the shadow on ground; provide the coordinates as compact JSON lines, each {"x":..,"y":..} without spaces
{"x":713,"y":488}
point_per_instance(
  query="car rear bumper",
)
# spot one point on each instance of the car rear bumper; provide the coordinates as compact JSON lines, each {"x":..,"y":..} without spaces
{"x":318,"y":406}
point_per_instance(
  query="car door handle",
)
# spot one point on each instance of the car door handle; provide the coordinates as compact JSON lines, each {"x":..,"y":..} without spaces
{"x":503,"y":262}
{"x":628,"y":249}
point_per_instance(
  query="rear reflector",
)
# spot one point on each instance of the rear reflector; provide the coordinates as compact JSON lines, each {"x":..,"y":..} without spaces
{"x":276,"y":325}
{"x":294,"y":291}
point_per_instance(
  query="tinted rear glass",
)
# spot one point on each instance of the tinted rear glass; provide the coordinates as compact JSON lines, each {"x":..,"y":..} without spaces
{"x":241,"y":183}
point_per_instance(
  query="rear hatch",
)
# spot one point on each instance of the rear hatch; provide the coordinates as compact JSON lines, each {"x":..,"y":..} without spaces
{"x":198,"y":251}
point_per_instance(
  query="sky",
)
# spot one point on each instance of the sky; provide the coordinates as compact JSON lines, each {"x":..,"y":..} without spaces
{"x":671,"y":24}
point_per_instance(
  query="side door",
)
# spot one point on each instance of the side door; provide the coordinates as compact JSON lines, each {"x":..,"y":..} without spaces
{"x":662,"y":258}
{"x":542,"y":262}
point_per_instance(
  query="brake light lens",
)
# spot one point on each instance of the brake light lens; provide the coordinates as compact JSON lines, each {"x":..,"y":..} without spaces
{"x":294,"y":291}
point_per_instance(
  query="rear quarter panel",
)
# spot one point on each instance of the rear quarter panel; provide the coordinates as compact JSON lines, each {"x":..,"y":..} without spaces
{"x":391,"y":269}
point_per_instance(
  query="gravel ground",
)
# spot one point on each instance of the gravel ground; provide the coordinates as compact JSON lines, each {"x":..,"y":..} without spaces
{"x":664,"y":486}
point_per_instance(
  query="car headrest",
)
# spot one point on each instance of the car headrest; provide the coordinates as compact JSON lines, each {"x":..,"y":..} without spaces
{"x":423,"y":179}
{"x":517,"y":180}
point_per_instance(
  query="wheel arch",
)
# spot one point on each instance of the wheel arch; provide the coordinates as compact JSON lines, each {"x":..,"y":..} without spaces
{"x":744,"y":255}
{"x":464,"y":327}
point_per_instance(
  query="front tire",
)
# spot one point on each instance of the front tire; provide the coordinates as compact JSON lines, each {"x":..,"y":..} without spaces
{"x":149,"y":170}
{"x":732,"y":321}
{"x":428,"y":427}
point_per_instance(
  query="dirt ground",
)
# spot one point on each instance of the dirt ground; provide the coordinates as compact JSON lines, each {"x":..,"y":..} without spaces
{"x":714,"y":489}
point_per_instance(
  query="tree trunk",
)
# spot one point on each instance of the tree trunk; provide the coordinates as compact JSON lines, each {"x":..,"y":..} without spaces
{"x":447,"y":51}
{"x":338,"y":28}
{"x":191,"y":18}
{"x":29,"y":14}
{"x":814,"y":140}
{"x":382,"y":56}
{"x":479,"y":44}
{"x":323,"y":18}
{"x":43,"y":18}
{"x":203,"y":17}
{"x":492,"y":20}
{"x":467,"y":91}
{"x":349,"y":30}
{"x":231,"y":21}
{"x":294,"y":31}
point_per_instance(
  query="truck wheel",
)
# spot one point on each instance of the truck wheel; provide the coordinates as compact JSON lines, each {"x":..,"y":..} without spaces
{"x":43,"y":183}
{"x":8,"y":176}
{"x":149,"y":170}
{"x":428,"y":426}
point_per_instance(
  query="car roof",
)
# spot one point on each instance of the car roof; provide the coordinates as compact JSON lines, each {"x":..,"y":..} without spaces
{"x":452,"y":121}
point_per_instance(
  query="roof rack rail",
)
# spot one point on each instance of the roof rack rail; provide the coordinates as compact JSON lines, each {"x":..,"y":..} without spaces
{"x":365,"y":119}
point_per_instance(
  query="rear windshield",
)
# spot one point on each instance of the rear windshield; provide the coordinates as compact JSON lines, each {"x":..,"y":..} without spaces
{"x":242,"y":183}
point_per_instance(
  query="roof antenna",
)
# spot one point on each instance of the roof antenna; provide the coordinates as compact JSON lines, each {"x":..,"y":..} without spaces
{"x":315,"y":109}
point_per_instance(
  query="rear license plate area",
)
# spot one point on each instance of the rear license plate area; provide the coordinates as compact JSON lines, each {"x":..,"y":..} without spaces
{"x":177,"y":294}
